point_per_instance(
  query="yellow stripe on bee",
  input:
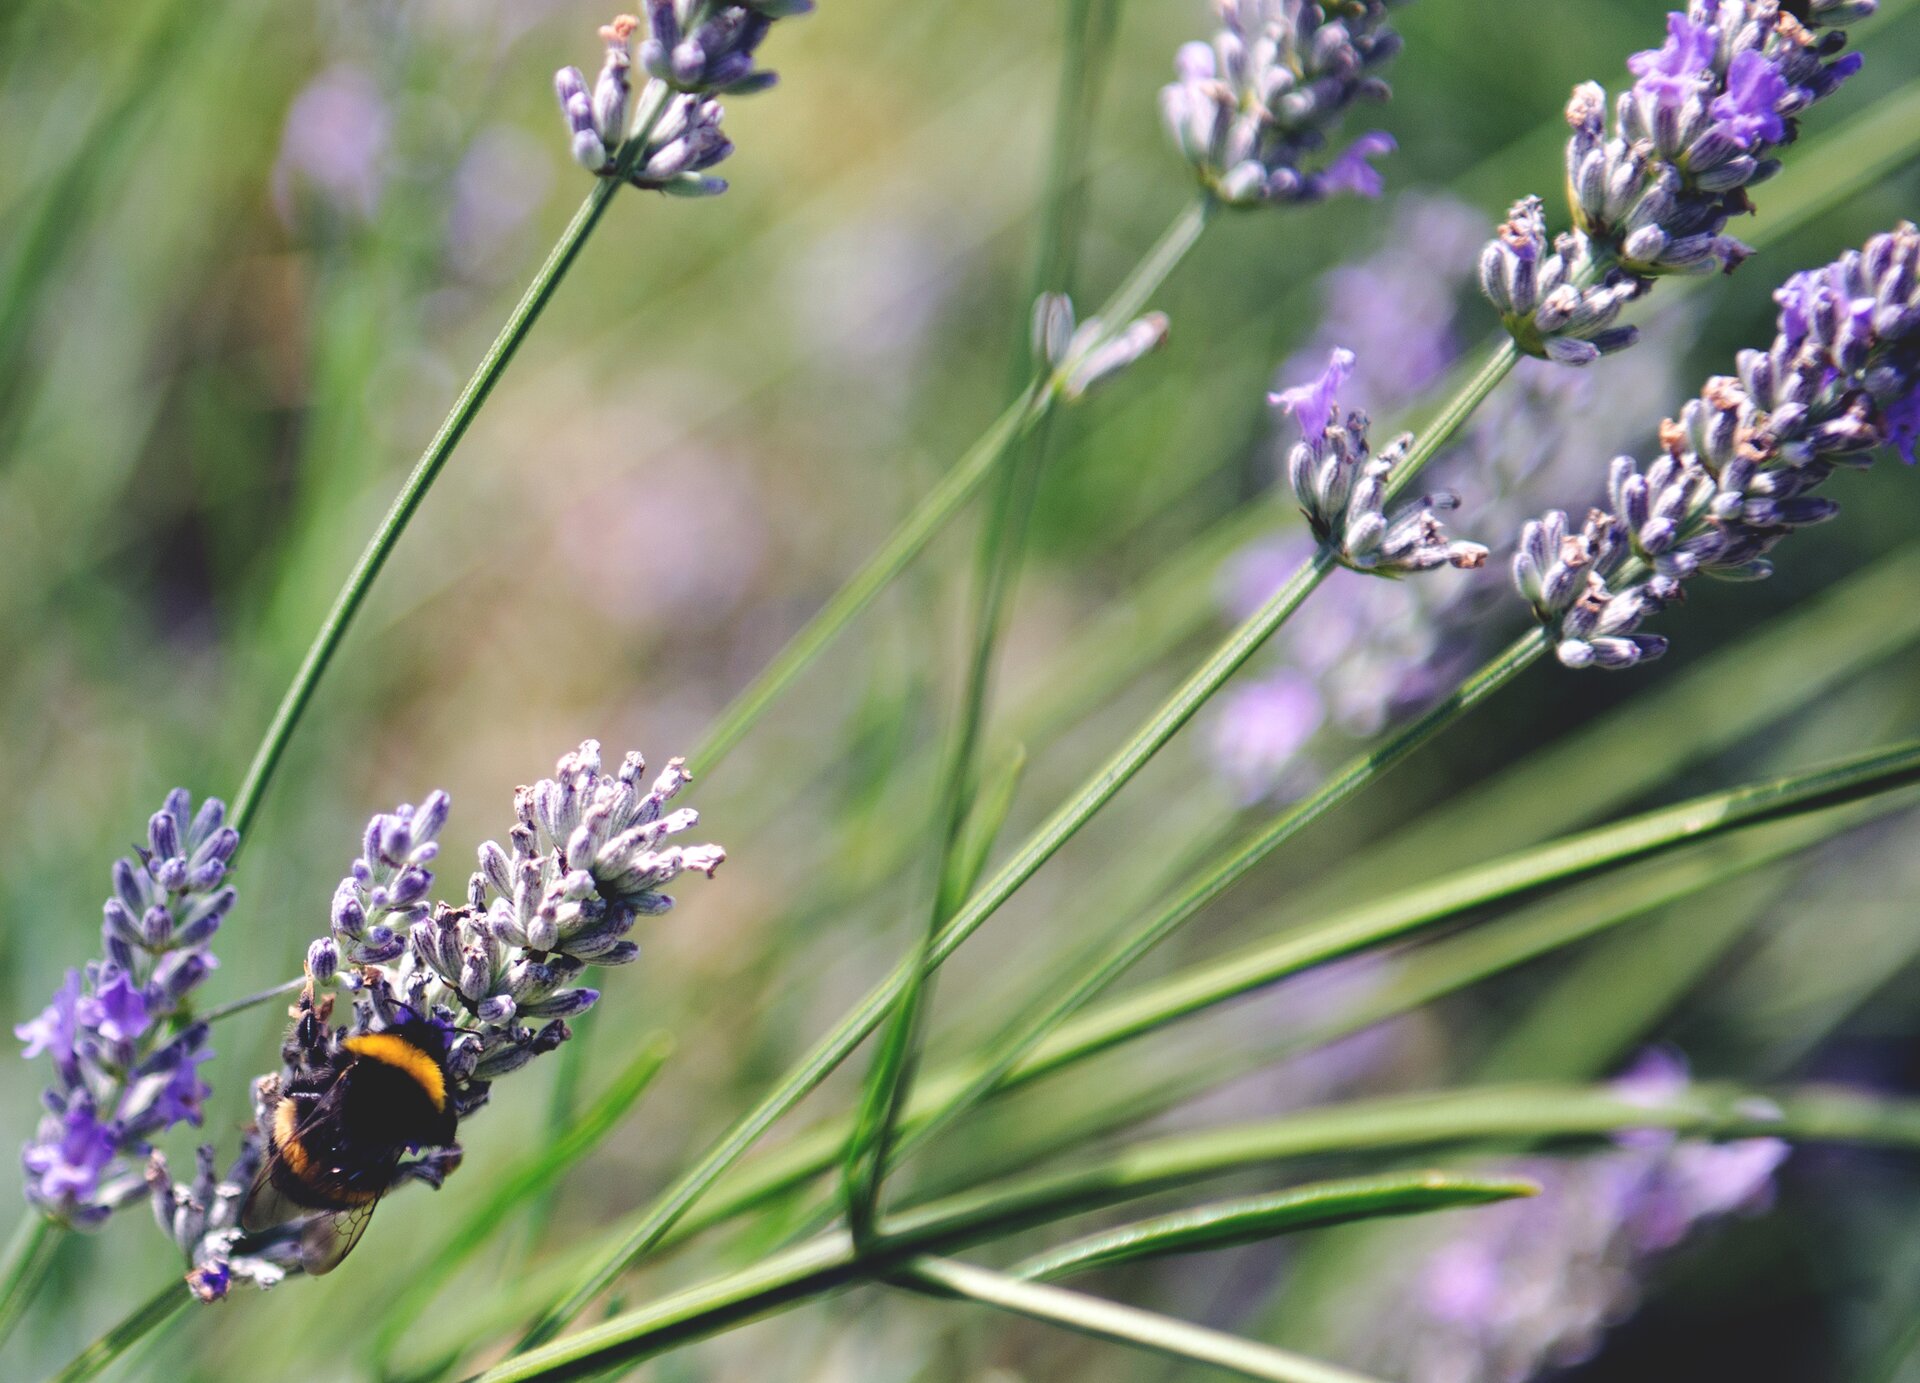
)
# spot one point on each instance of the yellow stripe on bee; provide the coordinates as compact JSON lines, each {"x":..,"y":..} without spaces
{"x":397,"y":1052}
{"x":286,"y":1119}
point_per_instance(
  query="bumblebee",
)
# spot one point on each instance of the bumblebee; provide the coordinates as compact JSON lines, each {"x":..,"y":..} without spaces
{"x":340,"y":1125}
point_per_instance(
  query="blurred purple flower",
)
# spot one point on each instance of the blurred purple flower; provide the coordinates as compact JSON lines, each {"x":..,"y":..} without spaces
{"x":1524,"y":1287}
{"x":1261,"y":728}
{"x":498,"y":184}
{"x":333,"y":150}
{"x":1902,"y":421}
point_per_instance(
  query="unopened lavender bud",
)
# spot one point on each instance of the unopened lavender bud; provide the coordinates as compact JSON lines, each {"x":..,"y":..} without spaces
{"x":179,"y":972}
{"x":156,"y":928}
{"x":163,"y":834}
{"x":323,"y":960}
{"x":566,"y":1003}
{"x":1107,"y":360}
{"x":497,"y":1009}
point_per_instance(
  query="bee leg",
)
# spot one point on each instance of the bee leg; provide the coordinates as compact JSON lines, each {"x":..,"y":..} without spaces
{"x":433,"y":1167}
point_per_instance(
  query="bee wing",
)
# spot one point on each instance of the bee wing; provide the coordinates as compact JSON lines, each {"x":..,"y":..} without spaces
{"x":330,"y":1236}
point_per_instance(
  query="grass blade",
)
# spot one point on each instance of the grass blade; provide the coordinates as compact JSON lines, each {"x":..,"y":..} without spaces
{"x":144,"y":1319}
{"x":1127,"y":1325}
{"x":1251,"y":1219}
{"x":1637,"y":838}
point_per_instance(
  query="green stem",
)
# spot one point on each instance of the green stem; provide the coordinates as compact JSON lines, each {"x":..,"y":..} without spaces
{"x":996,"y":573}
{"x":254,"y":1000}
{"x":1127,"y":1325}
{"x":466,"y":407}
{"x":648,"y":110}
{"x":1076,"y":990}
{"x":143,"y":1321}
{"x":29,"y":1253}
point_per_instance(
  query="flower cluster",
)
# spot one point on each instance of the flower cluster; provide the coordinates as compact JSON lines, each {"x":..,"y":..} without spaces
{"x":1699,"y":127}
{"x":587,"y":857}
{"x":585,"y":860}
{"x":1363,"y":653}
{"x":1083,"y":356}
{"x":1740,"y":464}
{"x":1555,"y":302}
{"x":1342,"y":487}
{"x":125,"y":1057}
{"x":1251,"y":108}
{"x":695,"y":51}
{"x":1532,"y":1285}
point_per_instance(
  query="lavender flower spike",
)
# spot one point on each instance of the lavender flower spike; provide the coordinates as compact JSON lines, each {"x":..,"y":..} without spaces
{"x":1250,"y":109}
{"x":1342,"y":487}
{"x":1741,"y":462}
{"x":125,"y":1053}
{"x":693,"y":62}
{"x":1653,"y":196}
{"x":588,"y":856}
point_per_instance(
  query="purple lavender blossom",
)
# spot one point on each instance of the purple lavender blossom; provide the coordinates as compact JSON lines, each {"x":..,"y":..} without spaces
{"x":1528,"y":1286}
{"x":588,"y":856}
{"x":1262,"y":727}
{"x":1251,"y":110}
{"x":690,"y":65}
{"x":124,"y":1049}
{"x":1699,"y":127}
{"x":1739,"y":466}
{"x":1342,"y":487}
{"x":1399,"y":309}
{"x":1374,"y":651}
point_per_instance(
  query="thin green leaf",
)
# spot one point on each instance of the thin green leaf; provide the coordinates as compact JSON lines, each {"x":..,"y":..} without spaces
{"x":29,"y":1252}
{"x":144,"y":1319}
{"x":1252,"y":1219}
{"x":1524,"y":1115}
{"x":1640,"y":837}
{"x":1127,"y":1325}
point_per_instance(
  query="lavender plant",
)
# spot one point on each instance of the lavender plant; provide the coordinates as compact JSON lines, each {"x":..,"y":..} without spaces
{"x":587,"y":857}
{"x":126,"y":1051}
{"x":1253,"y":107}
{"x":500,"y":974}
{"x":1531,"y":1288}
{"x":1699,"y":127}
{"x":1742,"y":461}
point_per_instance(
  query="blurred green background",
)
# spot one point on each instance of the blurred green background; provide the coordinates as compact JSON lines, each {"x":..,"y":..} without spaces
{"x":249,"y":251}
